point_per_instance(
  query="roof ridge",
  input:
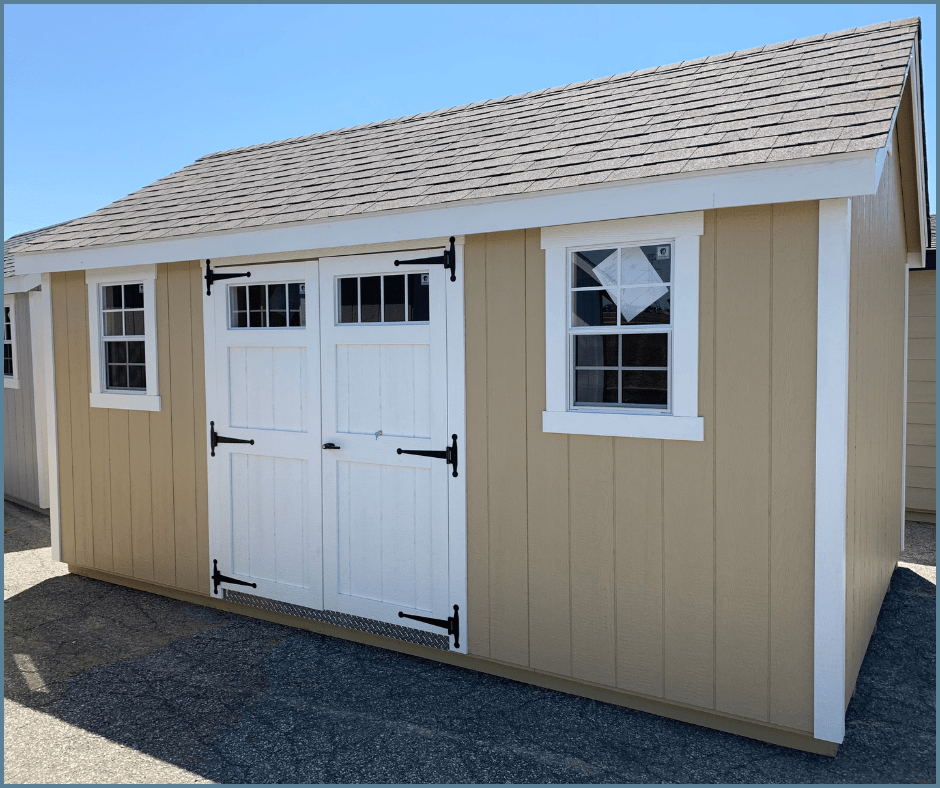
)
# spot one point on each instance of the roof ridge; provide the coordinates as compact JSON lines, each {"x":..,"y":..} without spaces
{"x":909,"y":21}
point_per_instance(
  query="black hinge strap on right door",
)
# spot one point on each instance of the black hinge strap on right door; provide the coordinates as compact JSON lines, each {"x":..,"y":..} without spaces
{"x":215,"y":439}
{"x":452,"y":624}
{"x":212,"y":277}
{"x":218,"y":577}
{"x":449,"y":455}
{"x":448,"y":260}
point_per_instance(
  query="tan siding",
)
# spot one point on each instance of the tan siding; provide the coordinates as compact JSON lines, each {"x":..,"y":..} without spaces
{"x":547,"y":465}
{"x":20,"y":464}
{"x":506,"y":435}
{"x":921,"y":472}
{"x":621,"y":555}
{"x":742,"y":461}
{"x":879,"y":254}
{"x":131,"y":482}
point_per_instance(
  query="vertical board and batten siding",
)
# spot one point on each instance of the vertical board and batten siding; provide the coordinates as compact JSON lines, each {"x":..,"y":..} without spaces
{"x":133,"y":490}
{"x":21,"y":476}
{"x":677,"y":570}
{"x":921,"y":475}
{"x":876,"y":396}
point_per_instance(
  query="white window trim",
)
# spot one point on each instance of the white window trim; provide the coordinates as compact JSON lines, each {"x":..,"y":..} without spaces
{"x":12,"y":382}
{"x":684,"y":422}
{"x":100,"y":397}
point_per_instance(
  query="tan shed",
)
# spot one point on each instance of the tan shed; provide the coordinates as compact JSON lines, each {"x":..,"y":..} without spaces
{"x":921,"y":458}
{"x":599,"y":388}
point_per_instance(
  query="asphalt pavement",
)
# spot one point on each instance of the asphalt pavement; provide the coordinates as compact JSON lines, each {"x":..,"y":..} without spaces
{"x":105,"y":684}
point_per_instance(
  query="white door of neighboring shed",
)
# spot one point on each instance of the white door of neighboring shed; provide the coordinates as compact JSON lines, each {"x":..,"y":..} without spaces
{"x":386,"y":534}
{"x":263,"y":404}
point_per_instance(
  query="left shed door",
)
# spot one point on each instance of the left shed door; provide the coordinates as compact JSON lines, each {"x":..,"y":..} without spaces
{"x":262,"y":385}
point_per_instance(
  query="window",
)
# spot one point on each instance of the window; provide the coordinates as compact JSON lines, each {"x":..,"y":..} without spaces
{"x":122,"y":323}
{"x":268,"y":306}
{"x":394,"y":298}
{"x":10,"y":370}
{"x":621,"y":319}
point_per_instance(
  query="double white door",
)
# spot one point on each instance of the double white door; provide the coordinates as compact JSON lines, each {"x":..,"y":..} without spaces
{"x":331,"y":368}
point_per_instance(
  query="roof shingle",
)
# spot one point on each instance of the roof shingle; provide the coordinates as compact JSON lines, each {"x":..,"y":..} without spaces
{"x":798,"y":99}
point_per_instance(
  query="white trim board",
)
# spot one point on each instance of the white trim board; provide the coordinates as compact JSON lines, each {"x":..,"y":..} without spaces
{"x":839,"y":175}
{"x":832,"y":426}
{"x":21,"y":284}
{"x":52,"y":444}
{"x":39,"y":395}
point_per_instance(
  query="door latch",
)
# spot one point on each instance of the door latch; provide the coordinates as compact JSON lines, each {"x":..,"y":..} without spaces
{"x":449,"y":455}
{"x":215,"y":439}
{"x":330,"y":446}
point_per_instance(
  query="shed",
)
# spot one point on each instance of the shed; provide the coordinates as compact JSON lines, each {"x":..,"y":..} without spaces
{"x":25,"y":462}
{"x":599,"y":387}
{"x":921,"y":458}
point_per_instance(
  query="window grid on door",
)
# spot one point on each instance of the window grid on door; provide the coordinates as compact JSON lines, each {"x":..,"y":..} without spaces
{"x":281,"y":305}
{"x":392,"y":298}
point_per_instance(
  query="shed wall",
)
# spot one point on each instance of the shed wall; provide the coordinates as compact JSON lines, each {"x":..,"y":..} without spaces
{"x":921,"y":475}
{"x":876,"y":396}
{"x":677,"y":570}
{"x":21,"y":475}
{"x":133,"y":490}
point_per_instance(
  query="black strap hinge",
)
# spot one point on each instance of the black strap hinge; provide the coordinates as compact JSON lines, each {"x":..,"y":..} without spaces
{"x":449,"y":455}
{"x":448,"y":260}
{"x":212,"y":276}
{"x":215,"y":439}
{"x":218,"y":577}
{"x":452,"y":624}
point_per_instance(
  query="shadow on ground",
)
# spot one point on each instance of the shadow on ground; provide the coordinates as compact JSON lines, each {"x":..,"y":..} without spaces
{"x":236,"y":700}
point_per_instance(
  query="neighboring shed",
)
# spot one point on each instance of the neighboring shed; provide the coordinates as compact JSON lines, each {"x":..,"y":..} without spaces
{"x":921,"y":471}
{"x":25,"y":461}
{"x":599,"y":388}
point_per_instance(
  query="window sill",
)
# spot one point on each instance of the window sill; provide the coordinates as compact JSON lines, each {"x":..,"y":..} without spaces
{"x":149,"y":402}
{"x":625,"y":425}
{"x":10,"y":383}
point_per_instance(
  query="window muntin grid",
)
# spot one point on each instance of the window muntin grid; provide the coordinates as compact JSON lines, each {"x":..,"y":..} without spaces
{"x":123,"y":333}
{"x":7,"y":343}
{"x":390,"y":298}
{"x":620,"y":322}
{"x":282,"y":305}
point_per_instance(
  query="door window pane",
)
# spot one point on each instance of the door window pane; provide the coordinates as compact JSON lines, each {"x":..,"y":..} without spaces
{"x":349,"y":300}
{"x":257,"y":306}
{"x":267,"y":306}
{"x":277,"y":306}
{"x":395,"y":298}
{"x":370,"y":288}
{"x":297,"y":304}
{"x":419,"y":301}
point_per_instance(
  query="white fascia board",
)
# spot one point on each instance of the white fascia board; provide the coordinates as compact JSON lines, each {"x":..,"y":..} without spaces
{"x":920,"y":160}
{"x":21,"y":283}
{"x":823,"y":177}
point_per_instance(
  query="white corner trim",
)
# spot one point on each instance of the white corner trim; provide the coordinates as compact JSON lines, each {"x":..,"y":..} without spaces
{"x":21,"y":284}
{"x":832,"y":421}
{"x":110,"y":399}
{"x":625,"y":425}
{"x":838,"y":175}
{"x":917,"y":260}
{"x":624,"y":231}
{"x":39,"y":396}
{"x":11,"y":383}
{"x":52,"y":432}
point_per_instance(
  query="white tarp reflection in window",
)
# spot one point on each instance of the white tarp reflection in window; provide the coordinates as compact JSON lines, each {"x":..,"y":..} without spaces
{"x":637,"y":270}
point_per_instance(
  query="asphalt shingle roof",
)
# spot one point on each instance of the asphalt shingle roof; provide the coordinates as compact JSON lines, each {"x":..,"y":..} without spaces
{"x":15,"y":241}
{"x":810,"y":97}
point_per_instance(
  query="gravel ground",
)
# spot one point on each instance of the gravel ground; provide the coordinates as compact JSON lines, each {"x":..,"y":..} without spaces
{"x":104,"y":684}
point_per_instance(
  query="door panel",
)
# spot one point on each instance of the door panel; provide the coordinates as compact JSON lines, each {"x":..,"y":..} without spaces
{"x":265,"y":519}
{"x":385,"y":514}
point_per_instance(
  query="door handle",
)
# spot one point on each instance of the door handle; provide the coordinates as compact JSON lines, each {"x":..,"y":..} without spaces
{"x":330,"y":446}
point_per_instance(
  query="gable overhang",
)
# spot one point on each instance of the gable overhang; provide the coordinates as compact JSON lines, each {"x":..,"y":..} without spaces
{"x":21,"y":283}
{"x":821,"y":177}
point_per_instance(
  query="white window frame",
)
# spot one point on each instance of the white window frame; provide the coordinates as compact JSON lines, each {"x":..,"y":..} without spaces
{"x":100,"y":396}
{"x":11,"y":381}
{"x":682,"y":422}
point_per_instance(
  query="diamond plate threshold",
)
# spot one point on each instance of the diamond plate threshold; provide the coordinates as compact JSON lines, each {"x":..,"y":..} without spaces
{"x":345,"y":620}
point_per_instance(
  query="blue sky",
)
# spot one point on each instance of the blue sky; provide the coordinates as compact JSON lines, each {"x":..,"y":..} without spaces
{"x":102,"y":100}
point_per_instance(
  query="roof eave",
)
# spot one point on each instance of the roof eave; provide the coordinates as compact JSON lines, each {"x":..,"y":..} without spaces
{"x":821,"y":177}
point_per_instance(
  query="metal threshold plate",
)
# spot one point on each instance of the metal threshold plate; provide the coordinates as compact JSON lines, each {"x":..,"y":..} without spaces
{"x":345,"y":620}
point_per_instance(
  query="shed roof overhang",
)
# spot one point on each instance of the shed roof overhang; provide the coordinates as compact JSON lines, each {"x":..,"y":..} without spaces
{"x":839,"y":175}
